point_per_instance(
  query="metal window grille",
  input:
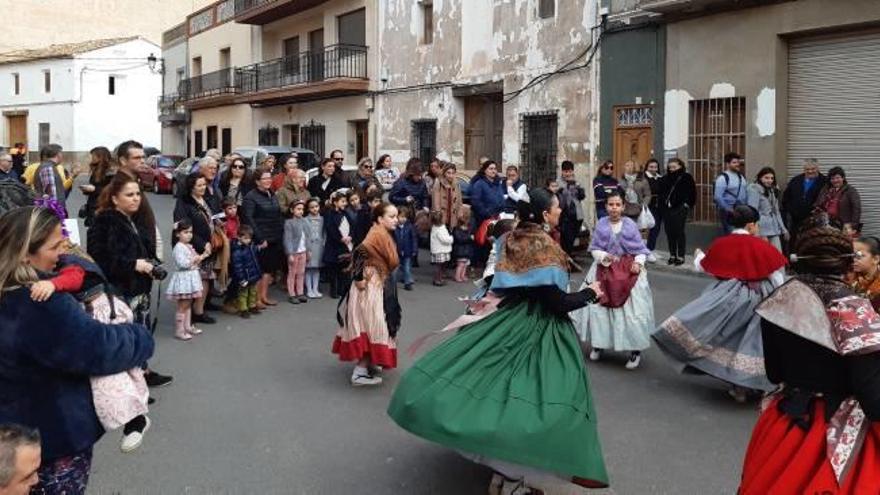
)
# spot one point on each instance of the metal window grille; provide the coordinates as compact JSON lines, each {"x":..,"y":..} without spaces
{"x":423,"y":140}
{"x":641,"y":116}
{"x":546,"y":8}
{"x":44,"y":134}
{"x":267,"y":136}
{"x":538,"y":149}
{"x":717,"y":126}
{"x":312,"y":138}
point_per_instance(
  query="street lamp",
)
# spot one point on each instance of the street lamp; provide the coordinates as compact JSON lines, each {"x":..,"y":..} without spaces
{"x":153,"y":61}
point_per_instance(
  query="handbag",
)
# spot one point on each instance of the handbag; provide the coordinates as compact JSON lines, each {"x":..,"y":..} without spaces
{"x":646,"y":219}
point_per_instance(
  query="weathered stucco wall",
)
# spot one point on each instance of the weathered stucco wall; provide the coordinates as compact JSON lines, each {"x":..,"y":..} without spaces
{"x":744,"y":53}
{"x":475,"y":42}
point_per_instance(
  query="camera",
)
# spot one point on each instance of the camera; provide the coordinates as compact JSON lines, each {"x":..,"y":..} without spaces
{"x":158,"y":272}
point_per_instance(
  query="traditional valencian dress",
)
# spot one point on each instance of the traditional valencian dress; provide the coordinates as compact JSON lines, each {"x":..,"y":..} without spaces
{"x":719,"y":333}
{"x":369,"y":318}
{"x":510,"y":389}
{"x":624,"y":319}
{"x":820,"y":434}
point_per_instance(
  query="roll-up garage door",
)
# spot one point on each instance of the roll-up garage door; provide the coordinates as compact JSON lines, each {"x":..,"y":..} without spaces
{"x":834,"y":112}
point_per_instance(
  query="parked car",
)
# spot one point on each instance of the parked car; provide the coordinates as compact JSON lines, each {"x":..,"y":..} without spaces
{"x":253,"y":155}
{"x":158,"y":175}
{"x":151,"y":151}
{"x":178,"y":177}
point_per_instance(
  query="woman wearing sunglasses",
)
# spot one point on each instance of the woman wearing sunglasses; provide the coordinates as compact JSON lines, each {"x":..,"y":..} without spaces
{"x":603,"y":185}
{"x":236,"y":183}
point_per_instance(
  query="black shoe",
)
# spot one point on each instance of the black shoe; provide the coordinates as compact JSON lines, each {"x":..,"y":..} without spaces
{"x":209,"y":306}
{"x":150,"y":401}
{"x":203,"y":318}
{"x":679,"y":261}
{"x":671,"y":260}
{"x":245,"y":314}
{"x":293,"y":300}
{"x":303,"y":299}
{"x":408,"y":287}
{"x":156,"y":380}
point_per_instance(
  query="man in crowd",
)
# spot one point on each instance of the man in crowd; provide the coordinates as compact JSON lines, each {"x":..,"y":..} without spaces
{"x":339,"y":158}
{"x":731,"y":189}
{"x":48,"y":182}
{"x":800,"y":196}
{"x":7,"y":169}
{"x":571,"y":194}
{"x":19,"y":157}
{"x":19,"y":459}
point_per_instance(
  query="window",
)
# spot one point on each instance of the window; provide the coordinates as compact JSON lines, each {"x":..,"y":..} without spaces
{"x":312,"y":138}
{"x":716,"y":127}
{"x":225,"y":58}
{"x":212,"y":136}
{"x":111,"y":85}
{"x":16,"y":84}
{"x":290,"y":52}
{"x":267,"y":136}
{"x":47,"y":81}
{"x":181,"y":74}
{"x":423,"y":140}
{"x":44,"y":134}
{"x":538,"y":148}
{"x":546,"y":9}
{"x":352,"y":28}
{"x":427,"y":22}
{"x":198,"y":143}
{"x":226,"y":144}
{"x":291,"y":135}
{"x":196,"y":69}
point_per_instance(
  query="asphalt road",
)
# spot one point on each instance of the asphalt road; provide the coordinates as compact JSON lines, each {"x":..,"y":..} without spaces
{"x":261,"y":406}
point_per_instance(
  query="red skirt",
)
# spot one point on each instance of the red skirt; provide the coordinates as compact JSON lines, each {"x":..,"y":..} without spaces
{"x":783,"y":459}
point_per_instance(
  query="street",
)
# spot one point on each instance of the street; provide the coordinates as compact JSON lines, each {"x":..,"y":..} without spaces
{"x":261,"y":406}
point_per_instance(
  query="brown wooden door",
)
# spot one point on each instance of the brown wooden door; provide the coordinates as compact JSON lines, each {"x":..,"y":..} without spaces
{"x":17,"y":125}
{"x":633,"y":136}
{"x":484,"y":129}
{"x":362,"y":139}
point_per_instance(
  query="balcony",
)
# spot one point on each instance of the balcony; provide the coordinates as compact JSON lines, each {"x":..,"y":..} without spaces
{"x":340,"y":70}
{"x":682,"y":8}
{"x":211,"y":89}
{"x":262,"y":12}
{"x":172,"y":111}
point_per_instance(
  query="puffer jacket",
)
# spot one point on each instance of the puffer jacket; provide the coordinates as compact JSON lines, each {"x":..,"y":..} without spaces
{"x":487,"y":197}
{"x":262,"y":212}
{"x":245,"y":266}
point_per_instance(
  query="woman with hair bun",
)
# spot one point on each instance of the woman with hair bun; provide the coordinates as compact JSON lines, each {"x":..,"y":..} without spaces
{"x":820,"y":432}
{"x":719,"y":333}
{"x":533,"y":422}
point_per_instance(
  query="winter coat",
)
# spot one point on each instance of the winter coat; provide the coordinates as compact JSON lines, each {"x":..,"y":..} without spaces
{"x":245,"y":265}
{"x":201,"y":221}
{"x":50,"y":350}
{"x":244,"y":187}
{"x":570,"y":196}
{"x":333,"y":245}
{"x":849,"y":207}
{"x":214,"y":199}
{"x":294,"y":233}
{"x":289,"y":194}
{"x":797,"y":205}
{"x":487,"y":197}
{"x":116,"y":243}
{"x":730,"y":190}
{"x":407,"y":240}
{"x":261,"y":211}
{"x":654,"y":184}
{"x":636,"y":194}
{"x":314,"y":229}
{"x":441,"y":240}
{"x":677,"y":189}
{"x":446,"y":198}
{"x":317,"y":190}
{"x":463,"y":244}
{"x":92,"y":197}
{"x":405,"y":187}
{"x":603,"y":185}
{"x":770,"y":223}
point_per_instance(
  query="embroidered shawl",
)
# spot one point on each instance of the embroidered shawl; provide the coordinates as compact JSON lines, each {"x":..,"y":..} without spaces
{"x":628,"y":241}
{"x":529,"y":257}
{"x":381,"y":250}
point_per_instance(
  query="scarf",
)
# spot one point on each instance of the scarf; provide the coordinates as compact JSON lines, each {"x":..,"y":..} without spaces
{"x":381,"y":250}
{"x":628,"y":241}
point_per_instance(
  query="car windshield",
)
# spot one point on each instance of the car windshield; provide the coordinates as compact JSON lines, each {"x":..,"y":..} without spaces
{"x":166,"y":162}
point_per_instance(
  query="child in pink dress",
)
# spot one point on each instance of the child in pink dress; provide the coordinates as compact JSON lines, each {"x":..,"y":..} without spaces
{"x":185,"y":285}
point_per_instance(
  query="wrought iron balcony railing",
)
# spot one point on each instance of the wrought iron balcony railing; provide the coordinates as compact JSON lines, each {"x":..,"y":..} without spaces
{"x":171,"y":109}
{"x":214,"y":83}
{"x":337,"y":61}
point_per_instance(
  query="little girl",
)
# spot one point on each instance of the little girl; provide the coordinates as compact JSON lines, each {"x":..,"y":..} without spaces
{"x":441,"y":247}
{"x":463,"y":245}
{"x":297,"y":252}
{"x":337,"y":249}
{"x":314,"y":230}
{"x":186,"y":283}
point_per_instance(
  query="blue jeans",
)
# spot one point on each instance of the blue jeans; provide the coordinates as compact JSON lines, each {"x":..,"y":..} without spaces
{"x":404,"y":271}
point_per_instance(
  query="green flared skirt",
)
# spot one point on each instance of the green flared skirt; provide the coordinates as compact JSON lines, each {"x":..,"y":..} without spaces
{"x":511,"y":386}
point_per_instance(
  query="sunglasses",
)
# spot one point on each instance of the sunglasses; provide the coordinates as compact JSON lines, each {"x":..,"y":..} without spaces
{"x":368,"y":167}
{"x":240,"y":167}
{"x":337,"y":159}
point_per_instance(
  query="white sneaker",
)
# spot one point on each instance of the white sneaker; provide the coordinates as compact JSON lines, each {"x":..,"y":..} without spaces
{"x":365,"y":380}
{"x":134,"y":439}
{"x":595,"y":355}
{"x":652,"y":258}
{"x":634,"y":361}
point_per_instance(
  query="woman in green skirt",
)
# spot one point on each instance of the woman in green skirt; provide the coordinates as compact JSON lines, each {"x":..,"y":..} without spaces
{"x":510,"y":389}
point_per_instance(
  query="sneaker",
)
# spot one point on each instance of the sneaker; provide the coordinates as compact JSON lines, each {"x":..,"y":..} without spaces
{"x":316,"y":295}
{"x":374,"y":370}
{"x":293,"y":300}
{"x":595,"y":354}
{"x":408,"y":287}
{"x":134,"y":438}
{"x":652,"y":258}
{"x":634,"y":361}
{"x":245,"y":314}
{"x":203,"y":318}
{"x":156,"y":380}
{"x":365,"y":380}
{"x":303,"y":299}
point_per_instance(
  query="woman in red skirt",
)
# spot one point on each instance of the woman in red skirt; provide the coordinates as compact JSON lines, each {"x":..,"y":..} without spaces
{"x":820,"y":432}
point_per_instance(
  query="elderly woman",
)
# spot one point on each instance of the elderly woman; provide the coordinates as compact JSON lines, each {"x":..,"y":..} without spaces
{"x":841,"y":202}
{"x":193,"y":206}
{"x":293,"y":189}
{"x":365,"y":180}
{"x":51,"y":348}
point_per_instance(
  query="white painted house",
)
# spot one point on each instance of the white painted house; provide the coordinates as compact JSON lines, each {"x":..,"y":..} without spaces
{"x":80,"y":95}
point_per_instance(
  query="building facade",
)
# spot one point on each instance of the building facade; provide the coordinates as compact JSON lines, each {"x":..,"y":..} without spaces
{"x":173,"y":114}
{"x":80,"y":95}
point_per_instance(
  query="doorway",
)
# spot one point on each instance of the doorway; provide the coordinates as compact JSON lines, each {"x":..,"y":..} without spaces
{"x":17,"y":125}
{"x":316,"y":55}
{"x":361,"y":138}
{"x":484,"y":128}
{"x":633,"y":136}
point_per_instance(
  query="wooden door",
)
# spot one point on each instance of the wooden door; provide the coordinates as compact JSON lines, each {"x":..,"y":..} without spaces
{"x":17,"y":125}
{"x":633,"y":136}
{"x":362,"y":139}
{"x":484,"y":128}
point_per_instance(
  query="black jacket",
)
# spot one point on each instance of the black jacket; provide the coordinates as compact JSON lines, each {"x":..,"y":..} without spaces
{"x":677,"y":189}
{"x":317,"y":191}
{"x":333,"y":246}
{"x":797,"y":206}
{"x":200,"y":218}
{"x":115,"y":243}
{"x":262,"y":212}
{"x":463,"y":244}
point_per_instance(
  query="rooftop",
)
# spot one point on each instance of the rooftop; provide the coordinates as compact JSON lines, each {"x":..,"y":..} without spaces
{"x":65,"y":50}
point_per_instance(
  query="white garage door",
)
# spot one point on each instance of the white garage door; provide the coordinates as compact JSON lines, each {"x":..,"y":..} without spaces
{"x":834,"y":112}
